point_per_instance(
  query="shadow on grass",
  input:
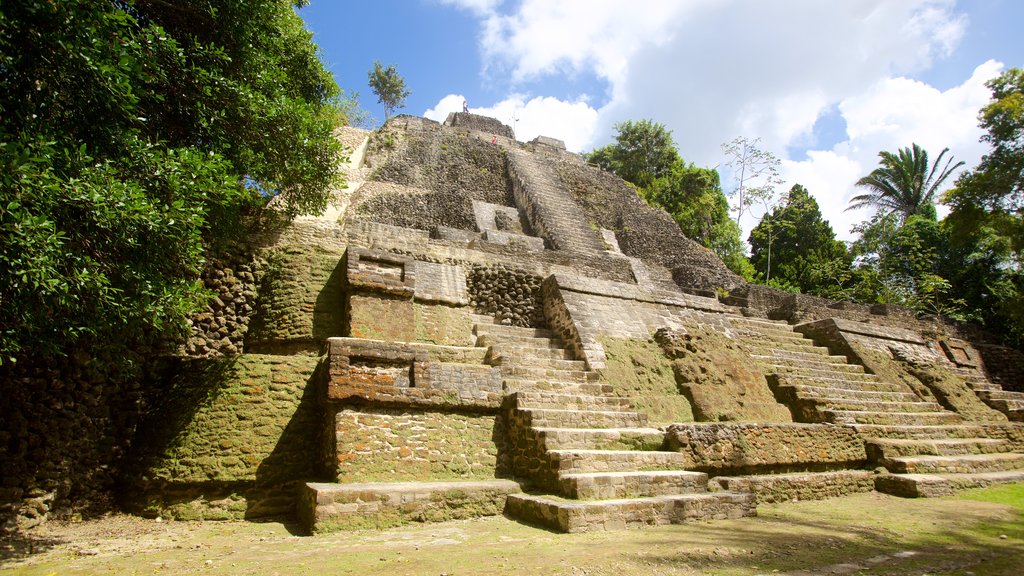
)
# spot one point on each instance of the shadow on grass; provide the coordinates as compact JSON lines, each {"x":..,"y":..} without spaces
{"x":788,"y":544}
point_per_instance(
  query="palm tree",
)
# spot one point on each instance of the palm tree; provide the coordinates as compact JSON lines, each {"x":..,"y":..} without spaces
{"x":903,"y":183}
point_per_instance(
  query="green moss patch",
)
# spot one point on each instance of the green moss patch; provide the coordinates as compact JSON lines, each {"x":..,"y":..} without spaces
{"x":722,"y":381}
{"x":640,"y":371}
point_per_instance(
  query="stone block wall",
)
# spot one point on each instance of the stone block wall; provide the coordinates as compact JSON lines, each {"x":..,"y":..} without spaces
{"x":1004,"y":366}
{"x":227,"y":438}
{"x":394,"y":444}
{"x":719,"y":448}
{"x":300,"y":300}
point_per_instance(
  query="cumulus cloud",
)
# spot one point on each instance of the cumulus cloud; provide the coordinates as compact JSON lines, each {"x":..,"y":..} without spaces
{"x":893,"y":113}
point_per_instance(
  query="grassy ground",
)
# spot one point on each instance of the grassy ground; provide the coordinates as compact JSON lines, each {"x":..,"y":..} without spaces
{"x":976,"y":533}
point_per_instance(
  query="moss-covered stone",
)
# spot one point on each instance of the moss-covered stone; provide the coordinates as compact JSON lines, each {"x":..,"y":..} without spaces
{"x":721,"y":380}
{"x":223,"y":430}
{"x":640,"y":371}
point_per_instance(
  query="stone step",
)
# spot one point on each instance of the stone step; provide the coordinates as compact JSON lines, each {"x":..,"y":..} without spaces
{"x":999,"y":395}
{"x":617,"y":485}
{"x":932,"y":485}
{"x":600,"y":515}
{"x":514,"y":350}
{"x":485,"y":340}
{"x":511,"y":385}
{"x":772,"y":488}
{"x":761,"y":323}
{"x":959,"y":464}
{"x":502,"y":331}
{"x":822,"y":369}
{"x":324,"y":507}
{"x":542,"y":399}
{"x":920,"y":432}
{"x":844,"y":383}
{"x":771,"y":336}
{"x":844,"y":404}
{"x":500,"y":360}
{"x":600,"y":438}
{"x":549,"y":418}
{"x":879,"y":449}
{"x":1006,"y":405}
{"x":581,"y":461}
{"x":779,"y":356}
{"x":541,"y":373}
{"x":892,"y":418}
{"x":807,"y":391}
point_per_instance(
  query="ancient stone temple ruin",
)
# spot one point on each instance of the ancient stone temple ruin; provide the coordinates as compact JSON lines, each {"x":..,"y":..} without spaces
{"x":481,"y":326}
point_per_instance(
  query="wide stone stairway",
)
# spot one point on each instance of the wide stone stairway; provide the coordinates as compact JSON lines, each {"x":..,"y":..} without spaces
{"x":589,"y":461}
{"x":929,"y":450}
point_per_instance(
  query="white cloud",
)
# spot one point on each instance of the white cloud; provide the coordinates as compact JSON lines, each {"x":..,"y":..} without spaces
{"x":571,"y":122}
{"x":891,"y":114}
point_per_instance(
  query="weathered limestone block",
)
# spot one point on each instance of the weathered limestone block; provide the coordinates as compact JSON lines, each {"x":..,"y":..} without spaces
{"x":327,"y":508}
{"x":761,"y":448}
{"x":403,"y":374}
{"x":792,"y":487}
{"x":393,"y":444}
{"x":227,"y":438}
{"x":640,"y":371}
{"x":901,"y":356}
{"x":722,"y":381}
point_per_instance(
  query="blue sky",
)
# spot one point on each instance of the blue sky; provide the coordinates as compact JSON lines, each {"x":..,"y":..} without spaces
{"x":825,"y":84}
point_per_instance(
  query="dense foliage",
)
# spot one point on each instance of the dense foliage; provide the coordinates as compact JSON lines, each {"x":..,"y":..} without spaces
{"x":134,"y":135}
{"x":905,"y":183}
{"x":645,"y":155}
{"x":793,"y":247}
{"x":986,"y":223}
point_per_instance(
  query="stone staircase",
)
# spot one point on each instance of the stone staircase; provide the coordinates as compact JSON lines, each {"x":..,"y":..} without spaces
{"x":592,"y":462}
{"x":992,"y":394}
{"x":552,"y":212}
{"x":918,"y":440}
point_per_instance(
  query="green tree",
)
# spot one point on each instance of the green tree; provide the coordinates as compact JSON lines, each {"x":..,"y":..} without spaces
{"x":986,"y":221}
{"x":902,"y":263}
{"x":693,"y":197}
{"x":643,"y":151}
{"x":134,"y":137}
{"x":755,"y":174}
{"x":794,"y":246}
{"x":905,"y":183}
{"x":389,"y":86}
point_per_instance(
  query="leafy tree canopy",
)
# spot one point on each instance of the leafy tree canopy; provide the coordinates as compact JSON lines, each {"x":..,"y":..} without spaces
{"x":794,"y":246}
{"x":389,"y":86}
{"x":133,"y":135}
{"x":643,"y":151}
{"x":986,"y":222}
{"x":905,"y":183}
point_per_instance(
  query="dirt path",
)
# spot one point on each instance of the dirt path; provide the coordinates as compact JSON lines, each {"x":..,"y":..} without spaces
{"x":865,"y":534}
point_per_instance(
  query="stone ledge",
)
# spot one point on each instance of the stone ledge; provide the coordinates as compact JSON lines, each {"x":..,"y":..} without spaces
{"x":326,"y":507}
{"x":773,"y":488}
{"x":932,"y":485}
{"x":755,"y":447}
{"x":625,"y":291}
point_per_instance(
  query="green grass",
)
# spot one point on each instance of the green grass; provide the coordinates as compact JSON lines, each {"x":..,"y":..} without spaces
{"x":1011,"y":495}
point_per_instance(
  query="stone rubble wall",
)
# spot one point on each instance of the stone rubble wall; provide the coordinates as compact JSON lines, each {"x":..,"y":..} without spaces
{"x":1004,"y":366}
